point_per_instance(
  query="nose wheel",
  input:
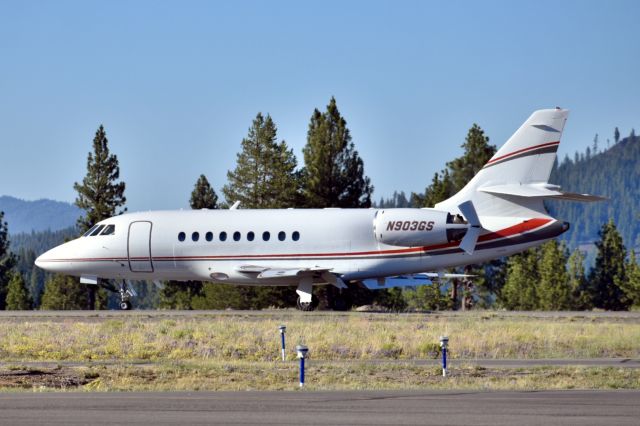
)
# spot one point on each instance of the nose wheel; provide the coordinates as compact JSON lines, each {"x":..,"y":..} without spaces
{"x":126,"y":292}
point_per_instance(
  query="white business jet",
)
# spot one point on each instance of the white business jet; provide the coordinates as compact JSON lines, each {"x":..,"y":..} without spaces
{"x":498,"y":213}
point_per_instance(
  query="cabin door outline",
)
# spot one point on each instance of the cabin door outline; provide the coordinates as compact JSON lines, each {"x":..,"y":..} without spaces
{"x":139,"y":246}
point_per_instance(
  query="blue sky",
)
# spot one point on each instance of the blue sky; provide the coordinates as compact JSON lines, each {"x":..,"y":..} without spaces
{"x":176,"y":84}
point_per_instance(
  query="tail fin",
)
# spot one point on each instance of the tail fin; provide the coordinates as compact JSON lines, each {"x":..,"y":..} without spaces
{"x":525,"y":160}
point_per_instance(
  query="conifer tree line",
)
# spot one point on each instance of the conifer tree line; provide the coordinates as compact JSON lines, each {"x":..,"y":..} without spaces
{"x":267,"y":174}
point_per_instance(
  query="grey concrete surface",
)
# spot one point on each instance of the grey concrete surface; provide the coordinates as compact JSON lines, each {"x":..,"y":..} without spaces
{"x":323,"y":408}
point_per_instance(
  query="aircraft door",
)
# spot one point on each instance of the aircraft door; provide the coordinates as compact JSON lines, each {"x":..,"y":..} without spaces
{"x":139,"y":247}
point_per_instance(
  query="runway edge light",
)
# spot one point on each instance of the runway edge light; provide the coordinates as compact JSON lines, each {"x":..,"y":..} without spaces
{"x":444,"y":343}
{"x":283,"y":330}
{"x":303,"y":353}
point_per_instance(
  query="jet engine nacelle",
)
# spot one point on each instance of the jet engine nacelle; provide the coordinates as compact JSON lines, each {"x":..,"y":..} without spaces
{"x":417,"y":227}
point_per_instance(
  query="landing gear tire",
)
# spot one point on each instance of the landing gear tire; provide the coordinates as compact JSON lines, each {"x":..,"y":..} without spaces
{"x":125,"y":294}
{"x":307,"y":307}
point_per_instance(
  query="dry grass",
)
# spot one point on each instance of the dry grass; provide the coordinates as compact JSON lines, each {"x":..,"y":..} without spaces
{"x":245,"y":375}
{"x":229,"y":337}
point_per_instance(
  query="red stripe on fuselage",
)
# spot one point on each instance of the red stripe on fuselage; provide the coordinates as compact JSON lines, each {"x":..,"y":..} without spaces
{"x":526,"y":226}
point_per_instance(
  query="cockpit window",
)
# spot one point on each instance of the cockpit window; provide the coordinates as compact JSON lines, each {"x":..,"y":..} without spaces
{"x":109,"y":230}
{"x":97,"y":230}
{"x":86,"y":234}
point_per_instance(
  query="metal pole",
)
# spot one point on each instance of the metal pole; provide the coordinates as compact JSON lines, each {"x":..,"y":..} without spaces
{"x":444,"y":343}
{"x":283,"y":329}
{"x":444,"y":362}
{"x":303,"y":352}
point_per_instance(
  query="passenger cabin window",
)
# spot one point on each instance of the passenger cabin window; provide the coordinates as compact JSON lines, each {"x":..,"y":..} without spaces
{"x":223,"y":236}
{"x":295,"y":236}
{"x":195,"y":236}
{"x":266,"y":235}
{"x":109,"y":230}
{"x":181,"y":236}
{"x":209,"y":236}
{"x":282,"y":235}
{"x":250,"y":236}
{"x":97,"y":230}
{"x":236,"y":236}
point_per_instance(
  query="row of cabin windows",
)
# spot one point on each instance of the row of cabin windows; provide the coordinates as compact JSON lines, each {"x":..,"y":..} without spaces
{"x":100,"y":230}
{"x":237,"y":236}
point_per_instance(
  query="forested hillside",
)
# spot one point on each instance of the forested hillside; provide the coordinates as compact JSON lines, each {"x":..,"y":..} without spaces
{"x":39,"y":215}
{"x":613,"y":173}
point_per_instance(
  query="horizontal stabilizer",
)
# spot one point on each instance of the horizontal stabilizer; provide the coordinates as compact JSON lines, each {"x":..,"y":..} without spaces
{"x":399,"y":281}
{"x":543,"y":190}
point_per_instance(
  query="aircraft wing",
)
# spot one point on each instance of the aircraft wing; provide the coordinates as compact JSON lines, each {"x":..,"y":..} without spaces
{"x":413,"y":280}
{"x":321,"y":274}
{"x":398,"y":281}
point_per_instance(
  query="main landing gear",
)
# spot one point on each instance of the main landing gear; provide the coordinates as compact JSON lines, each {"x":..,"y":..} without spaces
{"x":306,"y":300}
{"x":307,"y":306}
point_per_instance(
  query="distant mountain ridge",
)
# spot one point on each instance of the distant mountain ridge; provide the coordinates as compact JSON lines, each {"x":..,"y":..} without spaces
{"x":39,"y":215}
{"x":613,"y":173}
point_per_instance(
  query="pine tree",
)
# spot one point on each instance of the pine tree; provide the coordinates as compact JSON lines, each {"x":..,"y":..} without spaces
{"x":99,"y":195}
{"x":609,"y":273}
{"x":616,"y":135}
{"x":203,"y":195}
{"x":7,"y":260}
{"x":220,"y":296}
{"x":427,"y":298}
{"x":440,"y":189}
{"x":579,"y":293}
{"x":18,"y":298}
{"x":265,"y":174}
{"x":519,"y":290}
{"x":63,"y":292}
{"x":36,"y":285}
{"x":631,"y":286}
{"x":265,"y":177}
{"x":553,"y":289}
{"x":477,"y":152}
{"x":333,"y":175}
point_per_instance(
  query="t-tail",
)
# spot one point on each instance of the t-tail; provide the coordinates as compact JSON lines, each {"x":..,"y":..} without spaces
{"x":515,"y":182}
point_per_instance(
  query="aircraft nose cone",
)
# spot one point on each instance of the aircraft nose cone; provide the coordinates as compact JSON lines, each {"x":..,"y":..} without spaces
{"x":38,"y":262}
{"x":43,"y":262}
{"x":46,"y":260}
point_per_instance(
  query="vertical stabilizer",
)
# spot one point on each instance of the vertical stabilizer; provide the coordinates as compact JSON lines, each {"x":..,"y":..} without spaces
{"x":526,"y":158}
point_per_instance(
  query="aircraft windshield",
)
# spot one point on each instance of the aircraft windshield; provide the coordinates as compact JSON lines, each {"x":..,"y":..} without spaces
{"x":109,"y":230}
{"x":97,"y":231}
{"x":86,"y":234}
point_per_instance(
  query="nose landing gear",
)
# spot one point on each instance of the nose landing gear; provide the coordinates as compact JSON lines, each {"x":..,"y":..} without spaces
{"x":126,"y":292}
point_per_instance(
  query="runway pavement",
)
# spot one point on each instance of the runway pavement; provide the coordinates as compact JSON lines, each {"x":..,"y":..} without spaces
{"x":324,"y":408}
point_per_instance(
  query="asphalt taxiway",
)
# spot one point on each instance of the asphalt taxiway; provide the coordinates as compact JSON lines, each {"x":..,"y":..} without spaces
{"x":324,"y":408}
